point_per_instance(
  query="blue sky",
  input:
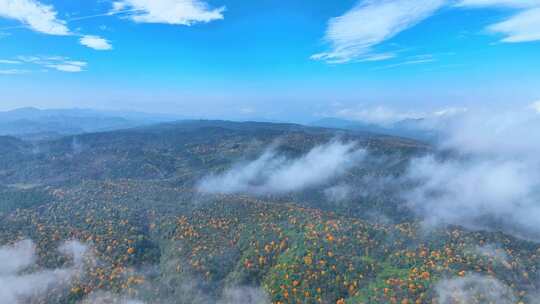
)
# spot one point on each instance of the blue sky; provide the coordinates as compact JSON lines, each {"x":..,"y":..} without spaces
{"x":287,"y":60}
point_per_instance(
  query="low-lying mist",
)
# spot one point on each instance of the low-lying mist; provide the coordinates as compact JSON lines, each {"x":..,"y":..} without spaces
{"x":491,"y":180}
{"x":20,"y":278}
{"x":483,"y":174}
{"x":274,"y":173}
{"x":474,"y":289}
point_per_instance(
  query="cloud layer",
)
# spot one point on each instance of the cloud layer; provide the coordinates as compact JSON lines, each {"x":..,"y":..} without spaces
{"x":382,"y":115}
{"x":478,"y":194}
{"x":492,"y":181}
{"x":274,"y":173}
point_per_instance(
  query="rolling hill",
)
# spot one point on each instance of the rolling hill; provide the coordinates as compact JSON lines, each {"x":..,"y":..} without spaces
{"x":133,"y":198}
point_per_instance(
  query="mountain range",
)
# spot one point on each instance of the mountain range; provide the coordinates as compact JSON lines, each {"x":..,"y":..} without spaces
{"x":33,"y":123}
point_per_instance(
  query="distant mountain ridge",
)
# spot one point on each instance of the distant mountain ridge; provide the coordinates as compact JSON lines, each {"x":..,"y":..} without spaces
{"x":33,"y":123}
{"x":43,"y":124}
{"x":167,"y":150}
{"x":32,"y":113}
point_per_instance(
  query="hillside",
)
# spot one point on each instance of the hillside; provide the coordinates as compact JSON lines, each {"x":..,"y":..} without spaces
{"x":161,"y":220}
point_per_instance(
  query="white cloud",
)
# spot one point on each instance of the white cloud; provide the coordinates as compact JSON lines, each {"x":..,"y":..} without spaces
{"x":100,"y":297}
{"x":68,"y":66}
{"x":58,"y":63}
{"x":37,"y":16}
{"x":493,"y":180}
{"x":471,"y":288}
{"x":409,"y":62}
{"x":476,"y":194}
{"x":75,"y":250}
{"x":495,"y":133}
{"x":378,"y":57}
{"x":5,"y":61}
{"x":384,"y":116}
{"x":450,"y":111}
{"x":535,"y":106}
{"x":338,"y":193}
{"x":501,"y":3}
{"x":354,"y":35}
{"x":380,"y":115}
{"x":274,"y":173}
{"x":43,"y":19}
{"x":493,"y":253}
{"x":95,"y":42}
{"x":523,"y":27}
{"x":17,"y":286}
{"x":247,"y":110}
{"x":16,"y":257}
{"x":13,"y":72}
{"x":244,"y":295}
{"x":182,"y":12}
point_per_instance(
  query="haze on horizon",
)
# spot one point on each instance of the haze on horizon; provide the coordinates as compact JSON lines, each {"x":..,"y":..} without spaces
{"x":231,"y":59}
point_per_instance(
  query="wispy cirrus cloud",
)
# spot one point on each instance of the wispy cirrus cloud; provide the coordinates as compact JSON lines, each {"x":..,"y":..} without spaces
{"x":521,"y":27}
{"x":68,"y":66}
{"x":7,"y":61}
{"x":415,"y":60}
{"x":501,"y":3}
{"x":13,"y":72}
{"x":180,"y":12}
{"x":43,"y":19}
{"x":59,"y":63}
{"x":354,"y":35}
{"x":35,"y":15}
